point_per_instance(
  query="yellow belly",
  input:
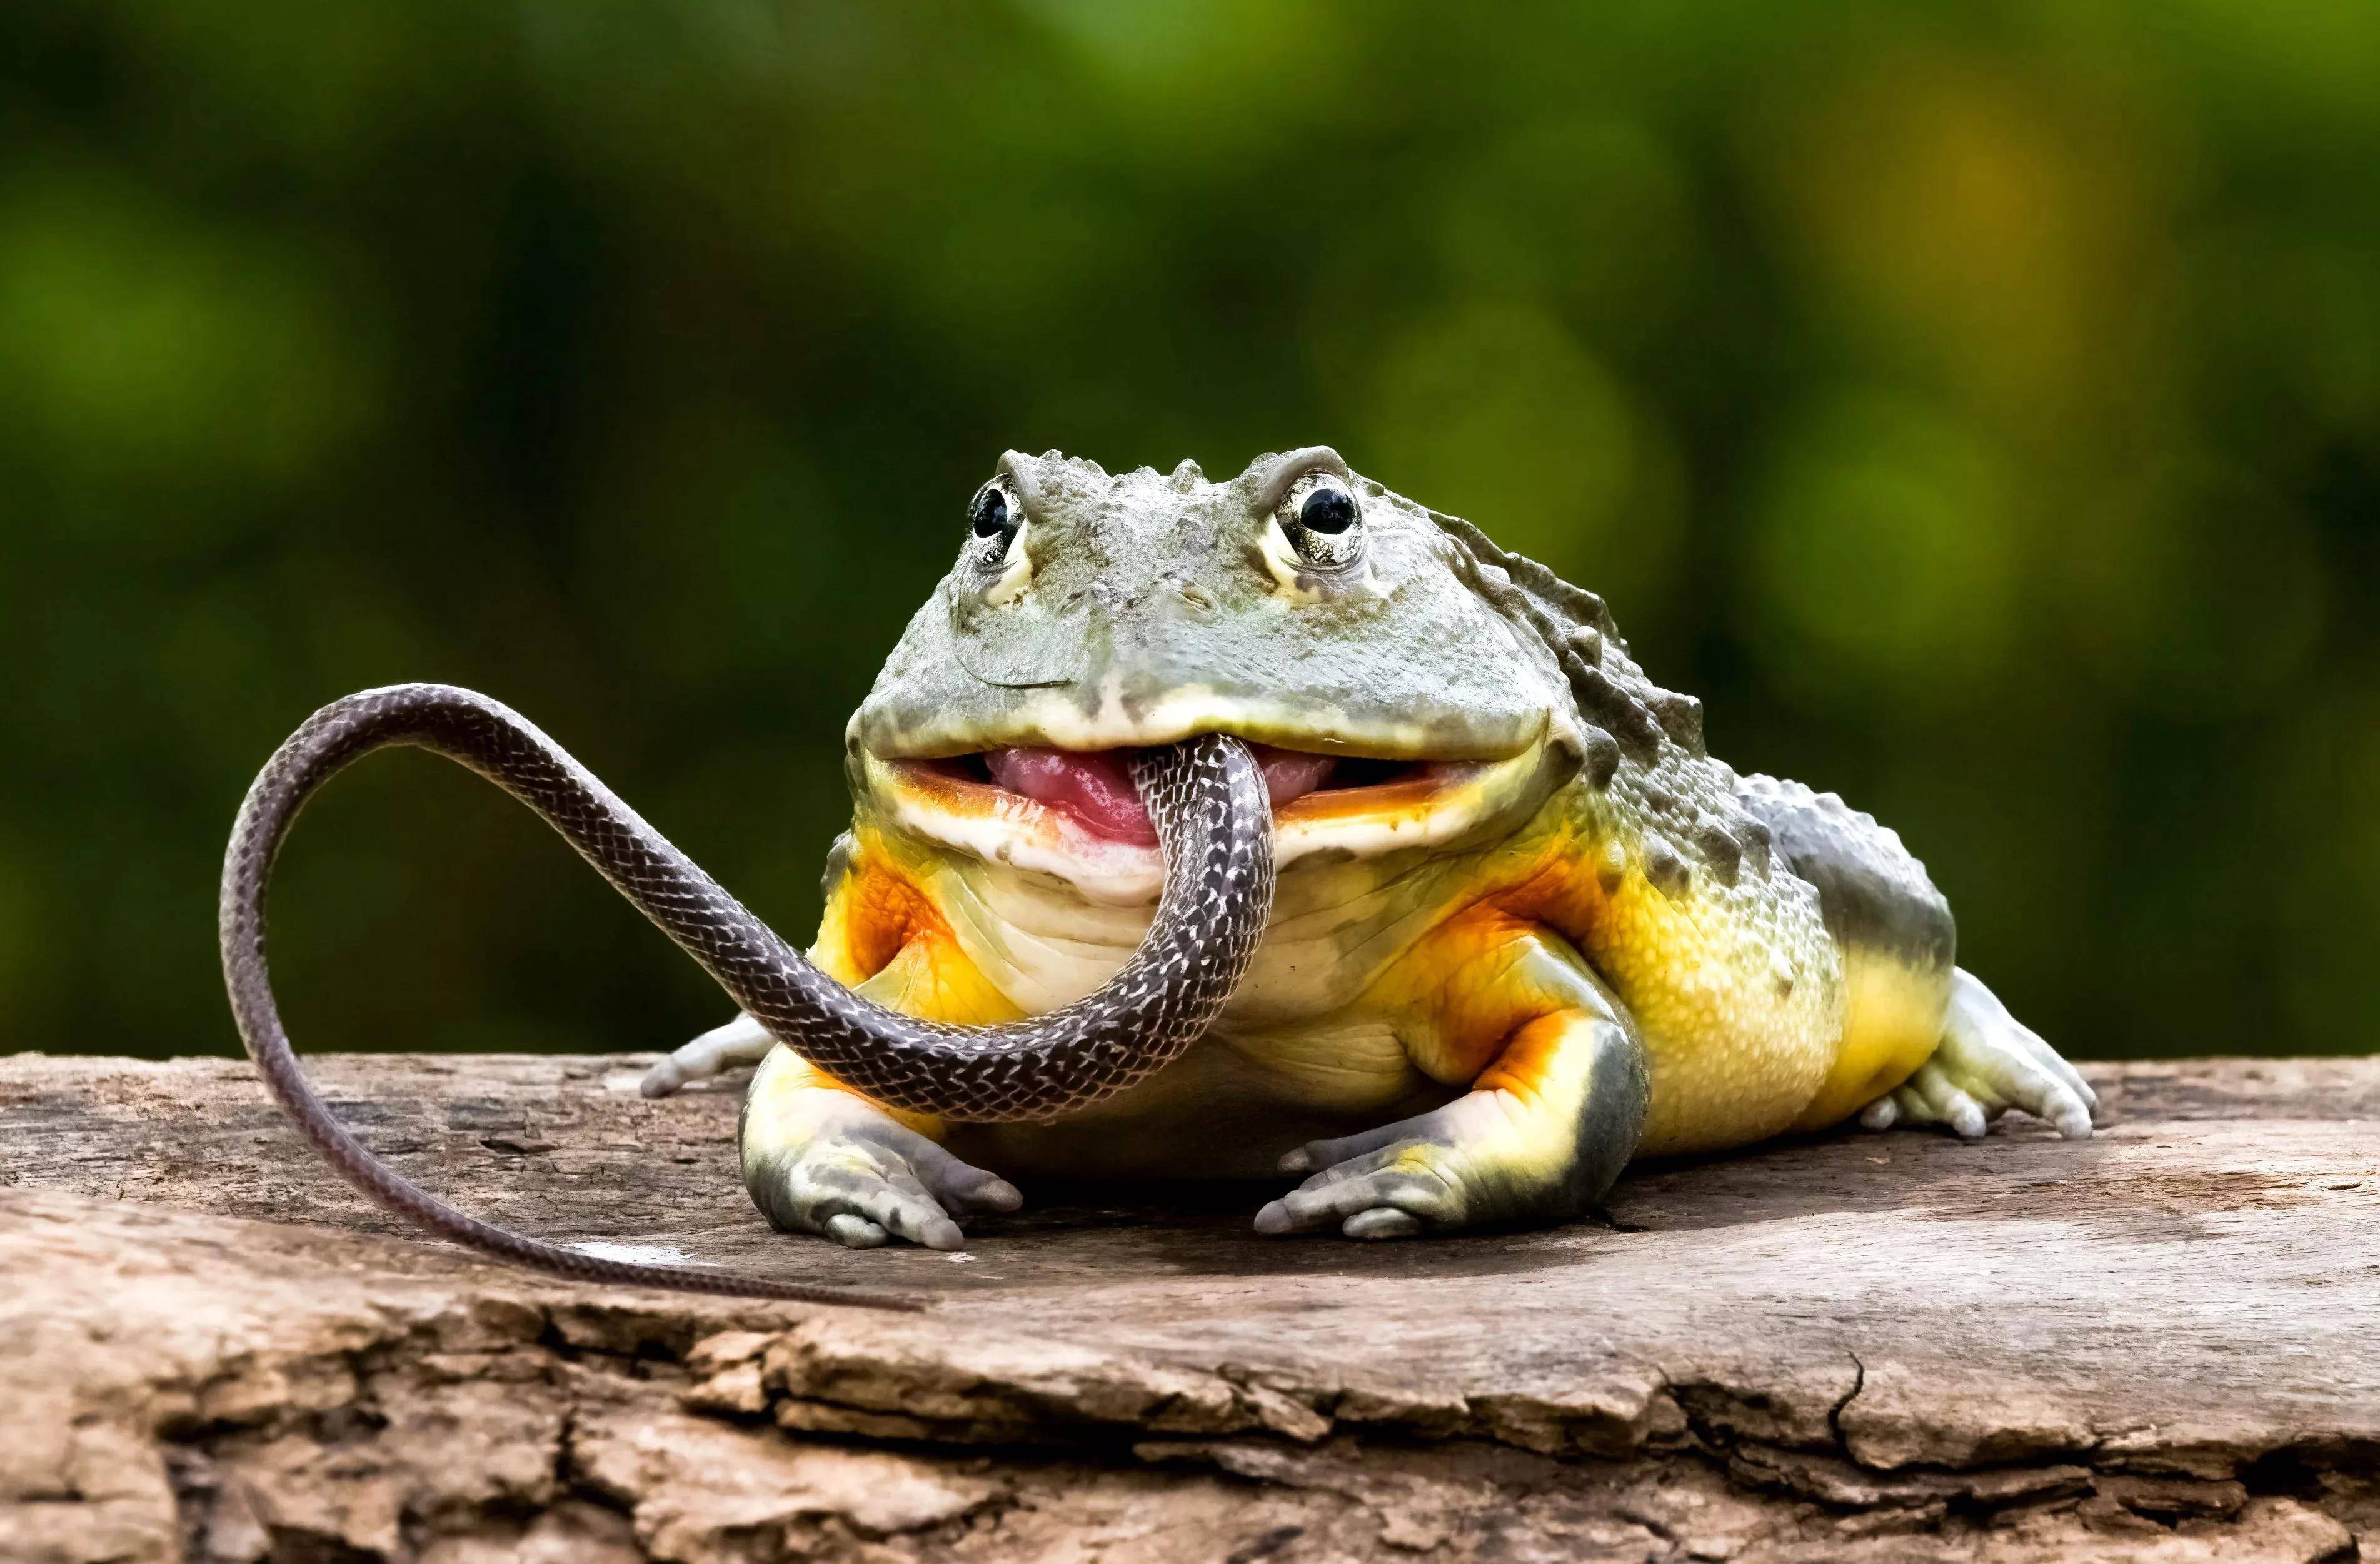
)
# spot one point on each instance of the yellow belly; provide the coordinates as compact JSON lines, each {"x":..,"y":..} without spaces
{"x":1753,"y":1022}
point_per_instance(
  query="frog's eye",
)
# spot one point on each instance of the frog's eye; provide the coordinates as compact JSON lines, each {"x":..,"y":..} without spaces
{"x":1321,"y":520}
{"x":994,"y":513}
{"x":996,"y":538}
{"x":994,"y":519}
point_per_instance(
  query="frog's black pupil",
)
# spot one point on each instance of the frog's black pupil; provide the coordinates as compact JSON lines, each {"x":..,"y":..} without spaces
{"x":990,"y":517}
{"x":1328,"y":510}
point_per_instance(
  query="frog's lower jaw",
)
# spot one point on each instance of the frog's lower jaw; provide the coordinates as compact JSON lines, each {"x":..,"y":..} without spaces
{"x":1447,"y":807}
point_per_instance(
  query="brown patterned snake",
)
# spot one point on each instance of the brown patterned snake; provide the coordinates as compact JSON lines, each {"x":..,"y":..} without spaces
{"x":1214,"y":823}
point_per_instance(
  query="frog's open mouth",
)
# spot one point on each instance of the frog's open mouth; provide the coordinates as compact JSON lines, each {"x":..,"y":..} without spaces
{"x":1094,"y":788}
{"x":1074,"y":814}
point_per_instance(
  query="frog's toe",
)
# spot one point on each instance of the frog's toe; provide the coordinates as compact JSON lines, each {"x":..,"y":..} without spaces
{"x":1396,"y":1192}
{"x":1316,"y":1154}
{"x":1382,"y":1222}
{"x":856,"y":1233}
{"x":1945,"y":1101}
{"x":1909,"y":1107}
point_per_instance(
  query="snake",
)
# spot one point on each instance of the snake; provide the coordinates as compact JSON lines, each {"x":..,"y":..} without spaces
{"x":1206,"y":795}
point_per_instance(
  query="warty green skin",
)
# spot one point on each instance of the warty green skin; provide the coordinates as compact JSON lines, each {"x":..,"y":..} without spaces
{"x":1152,"y":615}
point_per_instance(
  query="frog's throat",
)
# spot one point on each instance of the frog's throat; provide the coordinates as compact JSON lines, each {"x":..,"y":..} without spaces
{"x":1461,"y":807}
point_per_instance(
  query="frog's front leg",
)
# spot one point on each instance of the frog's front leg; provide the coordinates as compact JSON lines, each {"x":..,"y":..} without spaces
{"x":1558,"y":1097}
{"x":818,"y":1158}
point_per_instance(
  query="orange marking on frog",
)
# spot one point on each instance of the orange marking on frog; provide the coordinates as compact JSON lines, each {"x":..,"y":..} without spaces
{"x":871,"y":917}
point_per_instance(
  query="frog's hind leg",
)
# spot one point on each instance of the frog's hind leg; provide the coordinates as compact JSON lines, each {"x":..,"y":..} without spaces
{"x":742,"y":1041}
{"x":1924,"y":1042}
{"x":1891,"y":928}
{"x":1987,"y":1062}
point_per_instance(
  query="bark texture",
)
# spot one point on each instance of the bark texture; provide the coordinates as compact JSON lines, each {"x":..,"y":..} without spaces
{"x":2159,"y":1345}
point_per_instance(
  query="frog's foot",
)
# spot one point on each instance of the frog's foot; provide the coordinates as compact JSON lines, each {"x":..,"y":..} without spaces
{"x":1401,"y":1179}
{"x":1987,"y":1063}
{"x":836,"y":1165}
{"x":1486,"y":1158}
{"x":741,"y":1041}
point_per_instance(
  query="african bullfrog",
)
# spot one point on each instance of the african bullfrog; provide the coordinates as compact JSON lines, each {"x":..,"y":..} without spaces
{"x":1527,"y":928}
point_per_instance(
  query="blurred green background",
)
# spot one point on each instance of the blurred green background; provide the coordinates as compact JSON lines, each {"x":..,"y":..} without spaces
{"x":1980,"y":408}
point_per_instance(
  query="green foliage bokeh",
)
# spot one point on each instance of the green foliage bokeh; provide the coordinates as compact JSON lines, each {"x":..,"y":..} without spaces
{"x":1978,"y":407}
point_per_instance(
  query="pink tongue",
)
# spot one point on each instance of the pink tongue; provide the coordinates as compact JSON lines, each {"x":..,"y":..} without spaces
{"x":1095,"y":786}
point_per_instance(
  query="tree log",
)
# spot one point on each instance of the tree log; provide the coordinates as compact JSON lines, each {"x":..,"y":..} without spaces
{"x":2162,"y":1343}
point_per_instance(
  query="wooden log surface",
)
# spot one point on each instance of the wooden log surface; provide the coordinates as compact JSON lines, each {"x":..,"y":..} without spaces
{"x":2162,"y":1343}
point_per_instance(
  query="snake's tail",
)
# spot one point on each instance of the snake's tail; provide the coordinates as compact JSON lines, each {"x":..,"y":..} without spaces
{"x":337,"y":735}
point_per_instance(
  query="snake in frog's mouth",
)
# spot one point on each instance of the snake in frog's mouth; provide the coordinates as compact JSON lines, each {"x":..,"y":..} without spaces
{"x":1070,"y":814}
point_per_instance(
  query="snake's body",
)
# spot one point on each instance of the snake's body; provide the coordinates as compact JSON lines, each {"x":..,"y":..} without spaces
{"x":1214,"y":823}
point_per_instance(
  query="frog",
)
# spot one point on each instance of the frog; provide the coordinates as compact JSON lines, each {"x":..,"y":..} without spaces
{"x":1526,"y":928}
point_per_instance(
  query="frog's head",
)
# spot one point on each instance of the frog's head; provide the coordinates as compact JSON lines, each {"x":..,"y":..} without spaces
{"x":1333,"y":625}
